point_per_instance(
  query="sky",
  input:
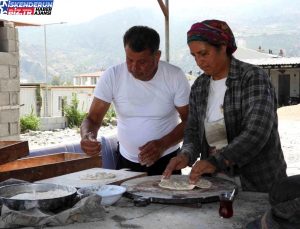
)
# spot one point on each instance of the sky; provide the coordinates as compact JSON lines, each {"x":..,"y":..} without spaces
{"x":77,"y":11}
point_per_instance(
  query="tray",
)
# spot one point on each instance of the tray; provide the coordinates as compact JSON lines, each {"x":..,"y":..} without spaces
{"x":43,"y":167}
{"x":12,"y":150}
{"x":74,"y":179}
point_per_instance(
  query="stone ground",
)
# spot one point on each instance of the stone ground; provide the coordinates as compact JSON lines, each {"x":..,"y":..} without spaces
{"x":40,"y":139}
{"x":289,"y":130}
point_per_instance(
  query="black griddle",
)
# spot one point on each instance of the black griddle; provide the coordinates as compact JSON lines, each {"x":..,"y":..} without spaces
{"x":145,"y":190}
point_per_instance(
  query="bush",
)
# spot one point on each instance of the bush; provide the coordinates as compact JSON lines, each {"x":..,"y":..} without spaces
{"x":29,"y":122}
{"x":73,"y":115}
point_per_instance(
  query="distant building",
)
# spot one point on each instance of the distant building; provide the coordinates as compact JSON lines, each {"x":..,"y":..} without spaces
{"x":87,"y":79}
{"x":29,"y":94}
{"x":284,"y":71}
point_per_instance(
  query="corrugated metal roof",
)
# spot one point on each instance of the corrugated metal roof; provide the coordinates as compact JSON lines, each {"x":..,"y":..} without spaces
{"x":243,"y":53}
{"x":274,"y":61}
{"x":264,"y":59}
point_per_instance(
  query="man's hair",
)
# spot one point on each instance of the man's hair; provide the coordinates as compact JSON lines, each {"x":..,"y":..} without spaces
{"x":140,"y":38}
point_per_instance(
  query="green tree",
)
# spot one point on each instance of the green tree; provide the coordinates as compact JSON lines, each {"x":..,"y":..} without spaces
{"x":56,"y":81}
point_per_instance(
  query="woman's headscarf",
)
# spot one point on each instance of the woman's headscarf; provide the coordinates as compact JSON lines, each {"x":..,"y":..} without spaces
{"x":214,"y":32}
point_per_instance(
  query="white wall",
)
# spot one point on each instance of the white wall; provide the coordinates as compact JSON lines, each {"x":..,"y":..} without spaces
{"x":27,"y":100}
{"x":294,"y":81}
{"x":84,"y":96}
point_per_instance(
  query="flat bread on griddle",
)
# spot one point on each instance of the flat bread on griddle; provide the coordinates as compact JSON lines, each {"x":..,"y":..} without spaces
{"x":177,"y":183}
{"x":203,"y":183}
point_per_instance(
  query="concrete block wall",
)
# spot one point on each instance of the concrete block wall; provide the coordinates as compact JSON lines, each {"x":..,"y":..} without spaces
{"x":9,"y":82}
{"x":52,"y":123}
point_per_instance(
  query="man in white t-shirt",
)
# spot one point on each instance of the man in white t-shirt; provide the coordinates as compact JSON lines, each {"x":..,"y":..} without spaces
{"x":151,"y":101}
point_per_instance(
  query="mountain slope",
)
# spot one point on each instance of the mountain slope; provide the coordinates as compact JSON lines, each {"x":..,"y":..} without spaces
{"x":95,"y":45}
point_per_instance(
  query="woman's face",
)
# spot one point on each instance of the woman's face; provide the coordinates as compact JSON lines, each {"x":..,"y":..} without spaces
{"x":142,"y":65}
{"x":210,"y":59}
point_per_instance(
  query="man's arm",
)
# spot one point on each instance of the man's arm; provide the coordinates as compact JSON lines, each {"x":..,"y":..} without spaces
{"x":176,"y":135}
{"x":152,"y":151}
{"x":90,"y":126}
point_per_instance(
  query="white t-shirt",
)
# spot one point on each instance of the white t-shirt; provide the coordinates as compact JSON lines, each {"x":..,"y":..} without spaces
{"x":215,"y":130}
{"x":145,"y":109}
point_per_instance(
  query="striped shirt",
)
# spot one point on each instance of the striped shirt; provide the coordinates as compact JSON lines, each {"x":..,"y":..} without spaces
{"x":250,"y":113}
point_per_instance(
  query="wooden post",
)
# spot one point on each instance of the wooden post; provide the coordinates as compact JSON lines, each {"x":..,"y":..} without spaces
{"x":165,"y":9}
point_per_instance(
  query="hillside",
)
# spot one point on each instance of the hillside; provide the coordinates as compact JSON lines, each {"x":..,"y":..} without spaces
{"x":88,"y":47}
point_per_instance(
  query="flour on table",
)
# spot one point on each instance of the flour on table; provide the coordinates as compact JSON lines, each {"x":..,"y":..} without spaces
{"x":41,"y":195}
{"x":182,"y":185}
{"x":97,"y":176}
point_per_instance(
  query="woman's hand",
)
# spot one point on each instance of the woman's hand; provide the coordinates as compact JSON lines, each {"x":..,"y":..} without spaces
{"x":176,"y":163}
{"x":199,"y":168}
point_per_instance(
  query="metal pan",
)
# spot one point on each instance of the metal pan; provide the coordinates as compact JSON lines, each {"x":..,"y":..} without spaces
{"x":53,"y":204}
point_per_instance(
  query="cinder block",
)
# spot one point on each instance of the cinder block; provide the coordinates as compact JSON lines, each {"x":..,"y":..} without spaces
{"x":14,"y":128}
{"x":17,"y":45}
{"x":5,"y":58}
{"x":7,"y":33}
{"x":14,"y":98}
{"x":8,"y":46}
{"x":16,"y":35}
{"x":7,"y":24}
{"x":4,"y":71}
{"x":4,"y":98}
{"x":14,"y":58}
{"x":9,"y":85}
{"x":4,"y":130}
{"x":13,"y":72}
{"x":7,"y":116}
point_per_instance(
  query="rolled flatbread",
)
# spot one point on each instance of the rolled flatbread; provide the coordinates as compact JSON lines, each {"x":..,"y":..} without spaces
{"x":97,"y":176}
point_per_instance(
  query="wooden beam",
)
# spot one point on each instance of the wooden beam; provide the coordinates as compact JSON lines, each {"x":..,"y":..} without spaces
{"x":165,"y":9}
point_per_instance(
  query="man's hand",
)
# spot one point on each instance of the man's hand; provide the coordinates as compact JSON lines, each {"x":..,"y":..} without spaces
{"x":199,"y":168}
{"x":150,"y":152}
{"x":90,"y":145}
{"x":176,"y":163}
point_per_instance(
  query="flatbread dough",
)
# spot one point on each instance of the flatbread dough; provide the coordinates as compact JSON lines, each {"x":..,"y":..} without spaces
{"x":182,"y":185}
{"x":175,"y":184}
{"x":203,"y":183}
{"x":97,"y":176}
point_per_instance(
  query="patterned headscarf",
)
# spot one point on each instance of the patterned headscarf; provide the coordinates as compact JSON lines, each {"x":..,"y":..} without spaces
{"x":214,"y":32}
